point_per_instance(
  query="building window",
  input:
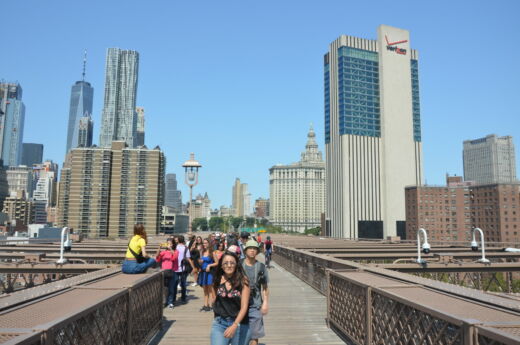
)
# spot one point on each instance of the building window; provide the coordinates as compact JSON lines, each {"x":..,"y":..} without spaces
{"x":358,"y":91}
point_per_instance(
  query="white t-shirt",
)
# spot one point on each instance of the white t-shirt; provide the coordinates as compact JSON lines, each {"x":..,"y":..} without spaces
{"x":181,"y":248}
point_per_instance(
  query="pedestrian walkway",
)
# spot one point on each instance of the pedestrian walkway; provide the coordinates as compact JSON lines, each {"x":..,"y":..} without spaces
{"x":296,"y":316}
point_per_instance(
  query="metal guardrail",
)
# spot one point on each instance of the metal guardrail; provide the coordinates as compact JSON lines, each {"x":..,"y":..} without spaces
{"x":26,"y":295}
{"x":127,"y":316}
{"x":370,"y":313}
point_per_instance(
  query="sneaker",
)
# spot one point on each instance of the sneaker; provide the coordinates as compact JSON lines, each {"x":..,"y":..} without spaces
{"x":179,"y":286}
{"x":170,"y":306}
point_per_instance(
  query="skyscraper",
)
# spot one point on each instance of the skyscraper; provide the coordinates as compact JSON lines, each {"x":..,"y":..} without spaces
{"x":119,"y":118}
{"x":241,"y":199}
{"x":297,"y":191}
{"x":372,"y":133}
{"x":262,"y":208}
{"x":12,"y":117}
{"x":490,"y":160}
{"x":140,"y":126}
{"x":103,"y":192}
{"x":32,"y":154}
{"x":85,"y":131}
{"x":81,"y":99}
{"x":172,"y":196}
{"x":43,"y":195}
{"x":20,"y":179}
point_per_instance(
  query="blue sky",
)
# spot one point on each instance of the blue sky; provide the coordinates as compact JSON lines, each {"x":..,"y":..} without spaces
{"x":239,"y":82}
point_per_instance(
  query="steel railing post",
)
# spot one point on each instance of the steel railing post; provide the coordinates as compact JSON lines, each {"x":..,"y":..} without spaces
{"x":327,"y":293}
{"x":368,"y":306}
{"x":129,"y":319}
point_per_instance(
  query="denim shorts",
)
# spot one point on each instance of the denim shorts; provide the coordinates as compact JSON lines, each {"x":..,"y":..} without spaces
{"x":219,"y":326}
{"x":256,"y":324}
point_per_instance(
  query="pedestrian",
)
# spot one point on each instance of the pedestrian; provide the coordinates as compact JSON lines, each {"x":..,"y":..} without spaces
{"x":168,"y":256}
{"x":213,"y":241}
{"x":231,"y":288}
{"x":220,"y":250}
{"x":260,"y":243}
{"x":269,"y":249}
{"x":184,"y":267}
{"x":136,"y":258}
{"x":191,"y":241}
{"x":195,"y":255}
{"x":207,"y":262}
{"x":244,"y":237}
{"x":259,"y":297}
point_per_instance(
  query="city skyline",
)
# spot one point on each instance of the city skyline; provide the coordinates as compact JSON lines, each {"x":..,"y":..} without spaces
{"x":182,"y":82}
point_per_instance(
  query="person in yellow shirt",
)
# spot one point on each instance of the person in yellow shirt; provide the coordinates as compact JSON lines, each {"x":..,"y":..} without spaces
{"x":136,"y":258}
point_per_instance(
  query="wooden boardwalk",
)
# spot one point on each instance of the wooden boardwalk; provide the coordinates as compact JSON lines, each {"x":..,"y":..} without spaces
{"x":296,"y":316}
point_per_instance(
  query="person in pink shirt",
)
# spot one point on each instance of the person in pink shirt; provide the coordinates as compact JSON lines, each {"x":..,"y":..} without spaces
{"x":168,"y":257}
{"x":219,"y":251}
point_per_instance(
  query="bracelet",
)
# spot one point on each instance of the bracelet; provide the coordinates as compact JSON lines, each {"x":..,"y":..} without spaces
{"x":236,"y":323}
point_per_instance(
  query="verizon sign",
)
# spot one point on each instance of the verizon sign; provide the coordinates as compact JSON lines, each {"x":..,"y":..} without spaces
{"x":393,"y":46}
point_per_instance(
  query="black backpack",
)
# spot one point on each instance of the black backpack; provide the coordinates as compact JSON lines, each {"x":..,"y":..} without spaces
{"x":259,"y":278}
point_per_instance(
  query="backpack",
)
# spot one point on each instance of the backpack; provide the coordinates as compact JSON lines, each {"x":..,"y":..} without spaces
{"x":259,"y":279}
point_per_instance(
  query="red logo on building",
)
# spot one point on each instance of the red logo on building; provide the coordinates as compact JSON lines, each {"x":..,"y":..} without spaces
{"x":392,"y":46}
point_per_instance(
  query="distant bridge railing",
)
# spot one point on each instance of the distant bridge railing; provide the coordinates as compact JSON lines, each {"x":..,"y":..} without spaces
{"x":368,"y":305}
{"x":124,"y":315}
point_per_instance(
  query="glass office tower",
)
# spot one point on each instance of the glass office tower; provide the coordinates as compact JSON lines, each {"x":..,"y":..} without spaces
{"x":81,"y":99}
{"x":12,"y":118}
{"x":372,"y":133}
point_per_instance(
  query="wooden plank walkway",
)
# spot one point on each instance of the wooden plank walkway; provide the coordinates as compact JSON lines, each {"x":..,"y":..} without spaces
{"x":296,"y":316}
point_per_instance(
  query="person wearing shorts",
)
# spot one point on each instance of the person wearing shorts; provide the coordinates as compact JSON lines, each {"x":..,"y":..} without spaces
{"x":258,"y":277}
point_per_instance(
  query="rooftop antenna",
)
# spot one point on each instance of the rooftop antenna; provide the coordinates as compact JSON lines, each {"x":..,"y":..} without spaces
{"x":84,"y":65}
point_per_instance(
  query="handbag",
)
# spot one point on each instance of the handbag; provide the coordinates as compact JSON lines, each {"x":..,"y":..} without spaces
{"x":185,"y":263}
{"x":139,"y":258}
{"x":168,"y":273}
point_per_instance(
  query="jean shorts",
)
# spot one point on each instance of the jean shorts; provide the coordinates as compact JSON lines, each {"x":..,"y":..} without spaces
{"x":256,"y":324}
{"x":219,"y":326}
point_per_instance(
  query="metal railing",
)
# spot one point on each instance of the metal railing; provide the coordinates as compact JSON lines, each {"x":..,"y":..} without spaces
{"x":367,"y":312}
{"x":128,"y":316}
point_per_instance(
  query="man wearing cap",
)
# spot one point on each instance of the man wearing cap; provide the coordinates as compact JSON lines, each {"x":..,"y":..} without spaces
{"x":259,"y":297}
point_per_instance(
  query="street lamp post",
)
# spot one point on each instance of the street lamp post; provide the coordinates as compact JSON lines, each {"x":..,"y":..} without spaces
{"x":191,"y":178}
{"x":425,"y":246}
{"x":474,"y":245}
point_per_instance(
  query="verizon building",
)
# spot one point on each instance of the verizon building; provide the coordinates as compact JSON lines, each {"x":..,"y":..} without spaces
{"x":372,"y":133}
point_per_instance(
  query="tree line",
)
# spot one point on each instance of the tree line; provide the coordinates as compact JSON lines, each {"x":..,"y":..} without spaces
{"x":231,"y":224}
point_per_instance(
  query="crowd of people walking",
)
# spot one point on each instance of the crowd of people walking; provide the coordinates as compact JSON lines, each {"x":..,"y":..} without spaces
{"x":234,"y":283}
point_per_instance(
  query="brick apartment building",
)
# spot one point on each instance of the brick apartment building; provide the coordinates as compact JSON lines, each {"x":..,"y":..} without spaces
{"x":449,"y":212}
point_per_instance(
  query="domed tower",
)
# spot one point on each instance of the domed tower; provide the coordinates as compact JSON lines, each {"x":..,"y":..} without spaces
{"x":311,"y":154}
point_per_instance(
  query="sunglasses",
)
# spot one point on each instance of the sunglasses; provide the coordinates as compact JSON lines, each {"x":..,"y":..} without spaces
{"x":229,"y":263}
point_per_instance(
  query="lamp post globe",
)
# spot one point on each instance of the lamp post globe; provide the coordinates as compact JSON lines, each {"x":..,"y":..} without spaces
{"x":191,"y":178}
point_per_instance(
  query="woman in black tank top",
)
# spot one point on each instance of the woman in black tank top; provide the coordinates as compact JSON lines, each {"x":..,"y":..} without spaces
{"x":231,"y":287}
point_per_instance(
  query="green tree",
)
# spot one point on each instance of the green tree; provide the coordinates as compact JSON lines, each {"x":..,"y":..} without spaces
{"x":274,"y":229}
{"x":236,"y":221}
{"x":216,"y":223}
{"x":250,"y":222}
{"x":313,"y":231}
{"x":200,"y":223}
